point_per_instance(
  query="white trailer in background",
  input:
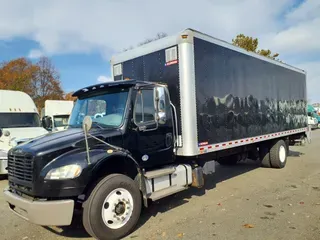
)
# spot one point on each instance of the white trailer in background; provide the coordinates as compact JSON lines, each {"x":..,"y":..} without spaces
{"x":55,"y":114}
{"x":19,"y":122}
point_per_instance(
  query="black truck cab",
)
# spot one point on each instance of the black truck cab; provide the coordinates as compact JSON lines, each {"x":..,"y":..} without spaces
{"x":134,"y":116}
{"x":132,"y":132}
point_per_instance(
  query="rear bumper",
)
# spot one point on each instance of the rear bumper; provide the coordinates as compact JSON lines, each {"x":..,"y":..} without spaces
{"x":3,"y":166}
{"x":45,"y":213}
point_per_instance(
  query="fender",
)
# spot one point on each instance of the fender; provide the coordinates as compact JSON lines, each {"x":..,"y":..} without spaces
{"x":139,"y":179}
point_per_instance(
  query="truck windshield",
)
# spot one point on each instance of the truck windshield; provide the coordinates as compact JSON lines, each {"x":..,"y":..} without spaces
{"x":19,"y":120}
{"x":106,"y":110}
{"x":61,"y":120}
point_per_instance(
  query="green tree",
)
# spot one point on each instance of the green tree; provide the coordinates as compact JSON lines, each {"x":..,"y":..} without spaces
{"x":251,"y":44}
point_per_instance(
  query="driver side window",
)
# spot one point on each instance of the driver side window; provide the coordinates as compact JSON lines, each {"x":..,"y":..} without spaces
{"x":144,"y":110}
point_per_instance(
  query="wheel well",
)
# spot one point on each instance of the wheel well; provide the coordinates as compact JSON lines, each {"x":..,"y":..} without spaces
{"x":118,"y":164}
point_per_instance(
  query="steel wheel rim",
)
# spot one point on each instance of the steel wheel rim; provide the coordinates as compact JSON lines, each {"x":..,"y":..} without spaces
{"x":117,"y":208}
{"x":282,"y":154}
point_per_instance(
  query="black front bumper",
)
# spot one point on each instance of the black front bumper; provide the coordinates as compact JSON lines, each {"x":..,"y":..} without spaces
{"x":49,"y":188}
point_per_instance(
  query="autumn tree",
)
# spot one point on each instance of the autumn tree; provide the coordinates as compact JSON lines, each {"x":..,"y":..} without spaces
{"x":46,"y":83}
{"x":40,"y":80}
{"x":17,"y":74}
{"x":69,"y":97}
{"x":251,"y":45}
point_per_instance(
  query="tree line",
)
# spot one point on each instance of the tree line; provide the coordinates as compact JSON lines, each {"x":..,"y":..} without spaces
{"x":41,"y":80}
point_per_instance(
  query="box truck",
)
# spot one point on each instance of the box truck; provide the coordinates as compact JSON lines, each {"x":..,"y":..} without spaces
{"x":175,"y":107}
{"x":19,"y":122}
{"x":55,"y":114}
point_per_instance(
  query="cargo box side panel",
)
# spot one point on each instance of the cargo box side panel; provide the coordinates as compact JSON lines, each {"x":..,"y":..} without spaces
{"x":239,"y":96}
{"x":153,"y":68}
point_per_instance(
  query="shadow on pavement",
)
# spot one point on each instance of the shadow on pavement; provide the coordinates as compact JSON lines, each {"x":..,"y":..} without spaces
{"x":295,"y":153}
{"x":223,"y":173}
{"x":75,"y":230}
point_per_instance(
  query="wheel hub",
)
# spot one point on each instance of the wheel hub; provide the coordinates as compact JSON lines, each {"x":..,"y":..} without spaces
{"x":117,"y":208}
{"x":282,"y":154}
{"x":120,"y":208}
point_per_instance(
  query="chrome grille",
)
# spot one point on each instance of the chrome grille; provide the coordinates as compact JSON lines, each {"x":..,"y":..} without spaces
{"x":20,"y":166}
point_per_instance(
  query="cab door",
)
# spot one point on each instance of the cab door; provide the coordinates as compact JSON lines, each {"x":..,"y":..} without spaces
{"x":152,"y":117}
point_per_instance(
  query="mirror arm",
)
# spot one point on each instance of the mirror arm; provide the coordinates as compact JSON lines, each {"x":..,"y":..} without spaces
{"x":87,"y":145}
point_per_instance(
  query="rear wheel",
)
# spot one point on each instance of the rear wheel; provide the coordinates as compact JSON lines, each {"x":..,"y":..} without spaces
{"x":113,"y":208}
{"x":264,"y":155}
{"x":278,"y":154}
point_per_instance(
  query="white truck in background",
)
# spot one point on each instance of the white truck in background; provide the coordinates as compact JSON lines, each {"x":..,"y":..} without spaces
{"x":19,"y":122}
{"x":55,"y":114}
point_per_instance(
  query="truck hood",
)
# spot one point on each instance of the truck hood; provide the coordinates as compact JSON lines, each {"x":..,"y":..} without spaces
{"x":61,"y":140}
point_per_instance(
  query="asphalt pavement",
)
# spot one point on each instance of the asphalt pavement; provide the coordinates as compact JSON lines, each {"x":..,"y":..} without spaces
{"x":242,"y":202}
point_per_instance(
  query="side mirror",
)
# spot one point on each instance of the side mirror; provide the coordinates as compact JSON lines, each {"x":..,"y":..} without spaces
{"x":160,"y":105}
{"x":86,"y":124}
{"x":47,"y":122}
{"x":1,"y":132}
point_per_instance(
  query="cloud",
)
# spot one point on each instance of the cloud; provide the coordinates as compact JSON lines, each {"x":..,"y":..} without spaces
{"x":35,"y":53}
{"x":289,"y":27}
{"x":81,"y":26}
{"x":102,"y":79}
{"x":313,"y":79}
{"x":307,"y":10}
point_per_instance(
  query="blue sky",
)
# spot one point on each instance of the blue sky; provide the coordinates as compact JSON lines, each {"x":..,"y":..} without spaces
{"x":81,"y":36}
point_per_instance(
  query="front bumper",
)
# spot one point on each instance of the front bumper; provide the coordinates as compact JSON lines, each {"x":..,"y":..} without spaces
{"x":314,"y":126}
{"x":3,"y":166}
{"x":45,"y":213}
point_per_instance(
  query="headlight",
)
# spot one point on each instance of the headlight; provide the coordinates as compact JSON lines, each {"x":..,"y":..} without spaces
{"x":3,"y":155}
{"x":65,"y":172}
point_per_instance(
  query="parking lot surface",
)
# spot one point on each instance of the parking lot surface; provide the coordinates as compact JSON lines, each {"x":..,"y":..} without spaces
{"x":240,"y":202}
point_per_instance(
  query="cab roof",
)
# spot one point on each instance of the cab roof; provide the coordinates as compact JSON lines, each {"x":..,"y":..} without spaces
{"x":16,"y":102}
{"x":113,"y":84}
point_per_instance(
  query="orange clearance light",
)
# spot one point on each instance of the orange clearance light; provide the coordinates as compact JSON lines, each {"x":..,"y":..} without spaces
{"x":185,"y":36}
{"x":127,"y":79}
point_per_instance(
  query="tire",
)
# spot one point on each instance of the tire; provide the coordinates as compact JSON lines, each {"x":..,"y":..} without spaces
{"x":278,"y":154}
{"x":113,"y":208}
{"x":229,"y":161}
{"x":264,"y":155}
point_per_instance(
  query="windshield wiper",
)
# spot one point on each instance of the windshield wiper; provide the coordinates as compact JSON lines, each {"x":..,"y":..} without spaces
{"x":99,"y":125}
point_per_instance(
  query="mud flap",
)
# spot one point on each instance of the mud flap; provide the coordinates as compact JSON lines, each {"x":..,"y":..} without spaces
{"x":308,"y":134}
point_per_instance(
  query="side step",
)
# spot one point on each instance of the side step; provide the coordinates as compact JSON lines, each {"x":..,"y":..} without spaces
{"x":159,"y":172}
{"x":166,"y":192}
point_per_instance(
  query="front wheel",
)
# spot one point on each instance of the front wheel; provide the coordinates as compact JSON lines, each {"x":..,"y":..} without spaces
{"x":113,"y":208}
